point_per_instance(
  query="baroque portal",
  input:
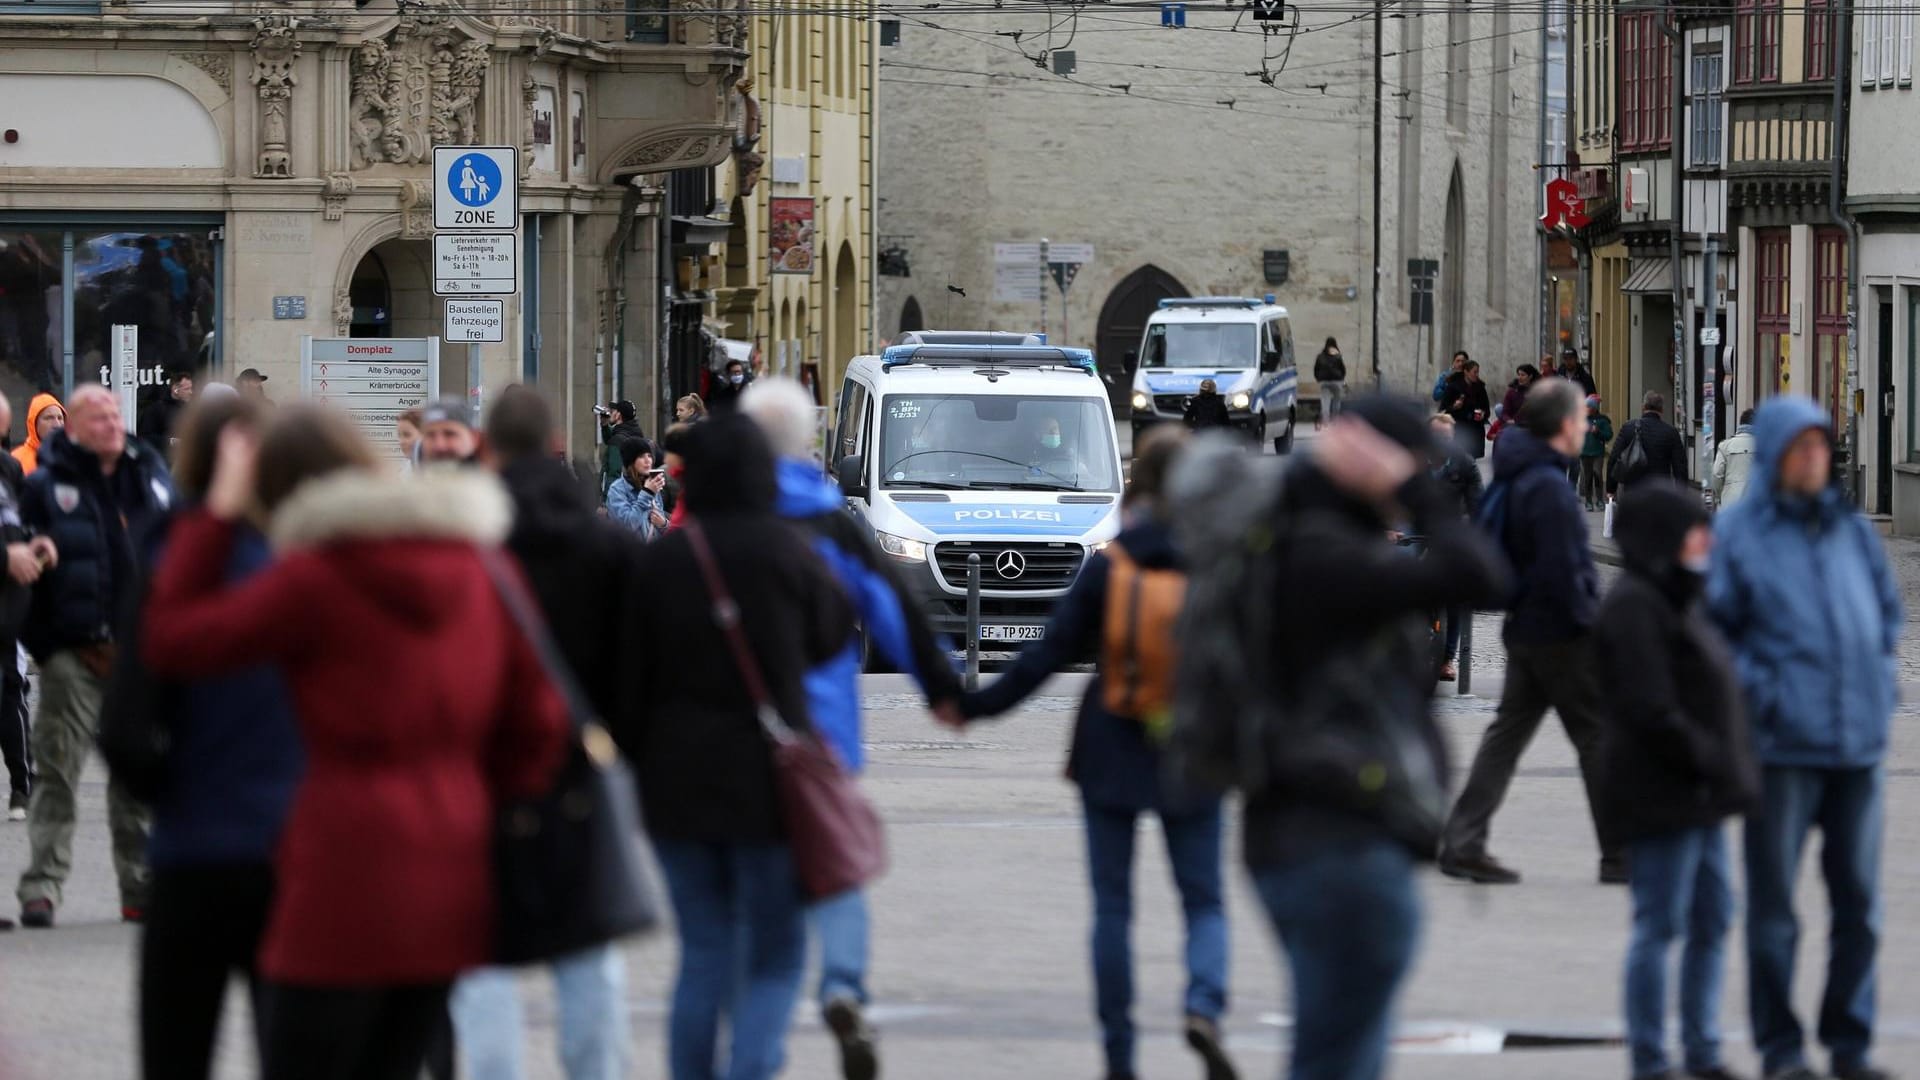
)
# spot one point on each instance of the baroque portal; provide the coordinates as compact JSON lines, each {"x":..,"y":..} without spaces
{"x":417,"y":87}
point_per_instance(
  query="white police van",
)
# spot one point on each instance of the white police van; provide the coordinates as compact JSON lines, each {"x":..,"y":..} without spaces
{"x":956,"y":444}
{"x":1244,"y":345}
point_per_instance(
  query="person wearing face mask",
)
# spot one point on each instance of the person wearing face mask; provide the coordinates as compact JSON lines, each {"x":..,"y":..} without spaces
{"x":732,"y":384}
{"x":1677,"y":762}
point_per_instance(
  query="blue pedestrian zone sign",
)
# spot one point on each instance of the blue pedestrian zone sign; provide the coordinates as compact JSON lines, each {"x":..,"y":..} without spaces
{"x":476,"y":187}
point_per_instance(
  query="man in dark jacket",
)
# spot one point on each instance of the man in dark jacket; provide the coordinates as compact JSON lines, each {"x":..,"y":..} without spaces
{"x":1461,"y":475}
{"x":25,"y":558}
{"x":732,"y":384}
{"x":1207,"y":409}
{"x":580,"y":568}
{"x":1537,"y":518}
{"x":617,"y":426}
{"x":1801,"y":586}
{"x":160,"y":414}
{"x":1337,"y":881}
{"x":95,"y":496}
{"x":1666,"y":451}
{"x":1678,"y":763}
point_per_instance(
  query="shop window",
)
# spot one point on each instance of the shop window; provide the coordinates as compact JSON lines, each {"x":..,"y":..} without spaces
{"x":1773,"y":321}
{"x":1830,"y":320}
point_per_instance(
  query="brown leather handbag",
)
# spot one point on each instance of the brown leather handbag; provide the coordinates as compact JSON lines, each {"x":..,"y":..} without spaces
{"x":837,"y":839}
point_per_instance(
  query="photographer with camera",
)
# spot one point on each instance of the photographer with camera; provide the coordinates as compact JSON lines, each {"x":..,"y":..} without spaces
{"x":617,"y":426}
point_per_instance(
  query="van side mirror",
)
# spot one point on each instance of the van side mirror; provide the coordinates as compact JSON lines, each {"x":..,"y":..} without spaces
{"x":852,"y":474}
{"x":1270,"y":361}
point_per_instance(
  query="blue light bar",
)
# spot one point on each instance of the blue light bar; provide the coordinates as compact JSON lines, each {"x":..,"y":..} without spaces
{"x":989,"y":355}
{"x":1209,"y":302}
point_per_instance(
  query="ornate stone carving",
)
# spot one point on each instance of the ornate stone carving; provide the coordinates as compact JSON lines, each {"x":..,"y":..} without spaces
{"x":218,"y":66}
{"x":275,"y":51}
{"x":669,"y":153}
{"x":418,"y":86}
{"x":416,"y":209}
{"x":746,"y":135}
{"x":342,"y":313}
{"x":334,"y":195}
{"x":529,"y":97}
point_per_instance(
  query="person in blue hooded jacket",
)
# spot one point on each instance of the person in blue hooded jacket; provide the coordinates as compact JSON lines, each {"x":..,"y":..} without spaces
{"x":1801,"y":588}
{"x":895,"y":631}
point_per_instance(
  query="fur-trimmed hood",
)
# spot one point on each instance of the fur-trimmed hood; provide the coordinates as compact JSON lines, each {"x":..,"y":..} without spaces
{"x":435,"y":504}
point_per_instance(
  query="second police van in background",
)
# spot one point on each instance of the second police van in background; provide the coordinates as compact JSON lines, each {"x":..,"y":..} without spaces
{"x":1244,"y":345}
{"x":998,"y":445}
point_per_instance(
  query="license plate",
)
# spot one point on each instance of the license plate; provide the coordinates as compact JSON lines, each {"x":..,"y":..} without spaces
{"x":1012,"y":633}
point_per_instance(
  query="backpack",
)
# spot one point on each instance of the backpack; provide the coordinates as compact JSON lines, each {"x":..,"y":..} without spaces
{"x":1138,"y":652}
{"x":1633,"y":459}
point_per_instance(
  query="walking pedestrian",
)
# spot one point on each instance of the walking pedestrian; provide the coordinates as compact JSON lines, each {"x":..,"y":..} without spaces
{"x":1467,"y":403}
{"x":689,"y":410}
{"x":26,"y":559}
{"x":44,"y":417}
{"x":634,"y":499}
{"x":1523,"y":379}
{"x":1678,"y":763}
{"x":1649,"y":448}
{"x":703,"y":758}
{"x":160,"y":414}
{"x":580,"y":570}
{"x":1461,"y":477}
{"x":95,"y":496}
{"x":406,"y":432}
{"x":1125,"y":606}
{"x":448,"y":435}
{"x":1733,"y":464}
{"x":893,"y":629}
{"x":1571,"y":367}
{"x":1342,"y":675}
{"x":733,"y":383}
{"x":1454,"y":369}
{"x":1593,"y":454}
{"x":231,"y":772}
{"x":1330,"y":371}
{"x":617,"y":425}
{"x":1537,"y":519}
{"x":1800,"y":584}
{"x":1207,"y":409}
{"x":421,"y":709}
{"x":252,"y":384}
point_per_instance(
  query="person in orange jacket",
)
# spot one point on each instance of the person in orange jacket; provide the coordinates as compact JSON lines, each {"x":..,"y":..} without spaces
{"x":45,"y":415}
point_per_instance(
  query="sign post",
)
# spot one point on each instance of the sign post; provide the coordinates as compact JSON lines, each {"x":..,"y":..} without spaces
{"x":372,"y":380}
{"x":1064,"y":262}
{"x":476,"y":246}
{"x":126,"y":374}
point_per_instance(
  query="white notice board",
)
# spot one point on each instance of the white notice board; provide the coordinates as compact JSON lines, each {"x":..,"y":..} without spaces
{"x":372,"y":380}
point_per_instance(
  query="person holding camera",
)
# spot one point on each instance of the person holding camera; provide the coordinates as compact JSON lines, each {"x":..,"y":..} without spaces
{"x":634,"y":499}
{"x":617,"y":426}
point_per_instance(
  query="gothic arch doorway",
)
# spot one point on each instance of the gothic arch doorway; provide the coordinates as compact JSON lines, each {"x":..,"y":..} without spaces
{"x":1123,"y":318}
{"x":1453,"y":273}
{"x":910,"y":317}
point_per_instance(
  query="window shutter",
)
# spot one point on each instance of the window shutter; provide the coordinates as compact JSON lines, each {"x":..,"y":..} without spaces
{"x":1891,"y":24}
{"x":1869,"y":47}
{"x":1907,"y":17}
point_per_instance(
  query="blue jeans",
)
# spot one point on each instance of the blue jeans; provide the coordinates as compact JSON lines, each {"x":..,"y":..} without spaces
{"x":743,"y":949}
{"x":1349,"y":920}
{"x":1848,"y":807}
{"x":590,"y":988}
{"x":1681,"y":888}
{"x":1193,"y":846}
{"x":841,"y":925}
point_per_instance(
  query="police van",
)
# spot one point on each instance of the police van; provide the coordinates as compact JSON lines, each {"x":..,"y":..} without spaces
{"x":950,"y":445}
{"x":1244,"y":345}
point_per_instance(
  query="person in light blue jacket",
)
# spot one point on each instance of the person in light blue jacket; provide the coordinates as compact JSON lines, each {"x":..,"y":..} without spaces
{"x":633,"y":499}
{"x":1800,"y":585}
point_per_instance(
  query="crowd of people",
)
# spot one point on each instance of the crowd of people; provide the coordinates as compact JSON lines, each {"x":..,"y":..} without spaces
{"x":351,"y":700}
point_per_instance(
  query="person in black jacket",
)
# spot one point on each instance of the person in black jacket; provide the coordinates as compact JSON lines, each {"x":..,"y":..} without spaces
{"x":1467,"y":402}
{"x":160,"y":414}
{"x":580,"y":568}
{"x":1461,"y":475}
{"x":1330,"y":371}
{"x":704,"y":763}
{"x":1548,"y":631}
{"x":96,"y":495}
{"x":1666,"y":451}
{"x":25,"y":559}
{"x":1337,"y":880}
{"x":1678,"y":763}
{"x":1207,"y":409}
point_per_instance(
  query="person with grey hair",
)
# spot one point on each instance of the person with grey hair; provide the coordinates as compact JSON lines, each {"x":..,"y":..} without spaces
{"x":1536,"y":518}
{"x":894,"y":630}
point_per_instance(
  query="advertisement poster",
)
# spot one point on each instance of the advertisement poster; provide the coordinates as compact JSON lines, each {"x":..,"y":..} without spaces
{"x":578,"y":126}
{"x":543,"y":105}
{"x":790,"y":240}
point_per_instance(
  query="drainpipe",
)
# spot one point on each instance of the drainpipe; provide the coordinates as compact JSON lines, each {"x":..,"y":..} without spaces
{"x":1841,"y":127}
{"x":1682,"y":414}
{"x":1379,"y":16}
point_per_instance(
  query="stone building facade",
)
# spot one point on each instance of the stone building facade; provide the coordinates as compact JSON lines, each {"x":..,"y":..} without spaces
{"x":1189,"y":173}
{"x":231,"y":179}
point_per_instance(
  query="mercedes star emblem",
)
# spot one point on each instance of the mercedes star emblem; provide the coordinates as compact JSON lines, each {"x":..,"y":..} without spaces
{"x":1011,"y":564}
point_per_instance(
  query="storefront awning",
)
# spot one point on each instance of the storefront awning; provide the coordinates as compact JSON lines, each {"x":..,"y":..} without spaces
{"x":1649,"y":276}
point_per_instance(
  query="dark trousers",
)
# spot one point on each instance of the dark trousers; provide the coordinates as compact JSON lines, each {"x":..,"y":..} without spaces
{"x":1561,"y":677}
{"x":16,"y":745}
{"x":204,"y":925}
{"x":1848,"y":806}
{"x":335,"y":1033}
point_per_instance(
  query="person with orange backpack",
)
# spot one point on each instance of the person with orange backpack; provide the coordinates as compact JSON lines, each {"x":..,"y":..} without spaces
{"x":1127,"y":603}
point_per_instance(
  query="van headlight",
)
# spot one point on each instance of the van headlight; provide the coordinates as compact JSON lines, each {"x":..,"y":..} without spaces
{"x":1241,"y":401}
{"x":1141,"y":401}
{"x":902,"y":548}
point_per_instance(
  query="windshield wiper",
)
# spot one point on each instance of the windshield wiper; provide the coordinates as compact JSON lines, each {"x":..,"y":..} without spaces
{"x":1023,"y":485}
{"x":937,"y":485}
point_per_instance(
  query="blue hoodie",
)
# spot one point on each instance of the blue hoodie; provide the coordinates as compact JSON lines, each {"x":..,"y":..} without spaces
{"x":1802,"y":590}
{"x":833,"y":688}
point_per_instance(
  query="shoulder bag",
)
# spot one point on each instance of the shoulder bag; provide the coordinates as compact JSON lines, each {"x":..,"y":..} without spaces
{"x":570,"y":866}
{"x":837,"y":839}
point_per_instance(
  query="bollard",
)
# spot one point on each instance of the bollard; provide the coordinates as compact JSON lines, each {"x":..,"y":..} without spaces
{"x":1464,"y":684}
{"x":973,"y":622}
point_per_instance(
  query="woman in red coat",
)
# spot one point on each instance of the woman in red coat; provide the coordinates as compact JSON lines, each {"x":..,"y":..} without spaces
{"x":420,"y":704}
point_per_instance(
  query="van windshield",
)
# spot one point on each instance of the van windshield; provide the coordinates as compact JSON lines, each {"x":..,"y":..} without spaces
{"x":997,"y":442}
{"x":1213,"y":346}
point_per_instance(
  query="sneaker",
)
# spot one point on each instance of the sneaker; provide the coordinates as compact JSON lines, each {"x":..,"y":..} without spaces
{"x":1479,"y":869}
{"x":136,"y":915}
{"x":1449,"y":673}
{"x":1718,"y":1072}
{"x":1613,"y":871}
{"x":37,"y":914}
{"x":859,"y":1057}
{"x":1203,"y":1035}
{"x":1863,"y":1072}
{"x":17,"y":807}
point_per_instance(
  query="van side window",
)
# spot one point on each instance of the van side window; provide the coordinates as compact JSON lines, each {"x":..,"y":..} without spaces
{"x":860,"y":419}
{"x":1270,"y":352}
{"x":1286,"y":342}
{"x":853,"y":418}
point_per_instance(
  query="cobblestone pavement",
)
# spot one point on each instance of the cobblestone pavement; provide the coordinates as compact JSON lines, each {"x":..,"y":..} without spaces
{"x":980,"y":933}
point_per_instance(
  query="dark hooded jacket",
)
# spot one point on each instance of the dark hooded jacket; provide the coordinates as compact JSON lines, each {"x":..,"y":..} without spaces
{"x":704,"y":764}
{"x":1666,"y":451}
{"x":1545,"y":536}
{"x":1676,"y":753}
